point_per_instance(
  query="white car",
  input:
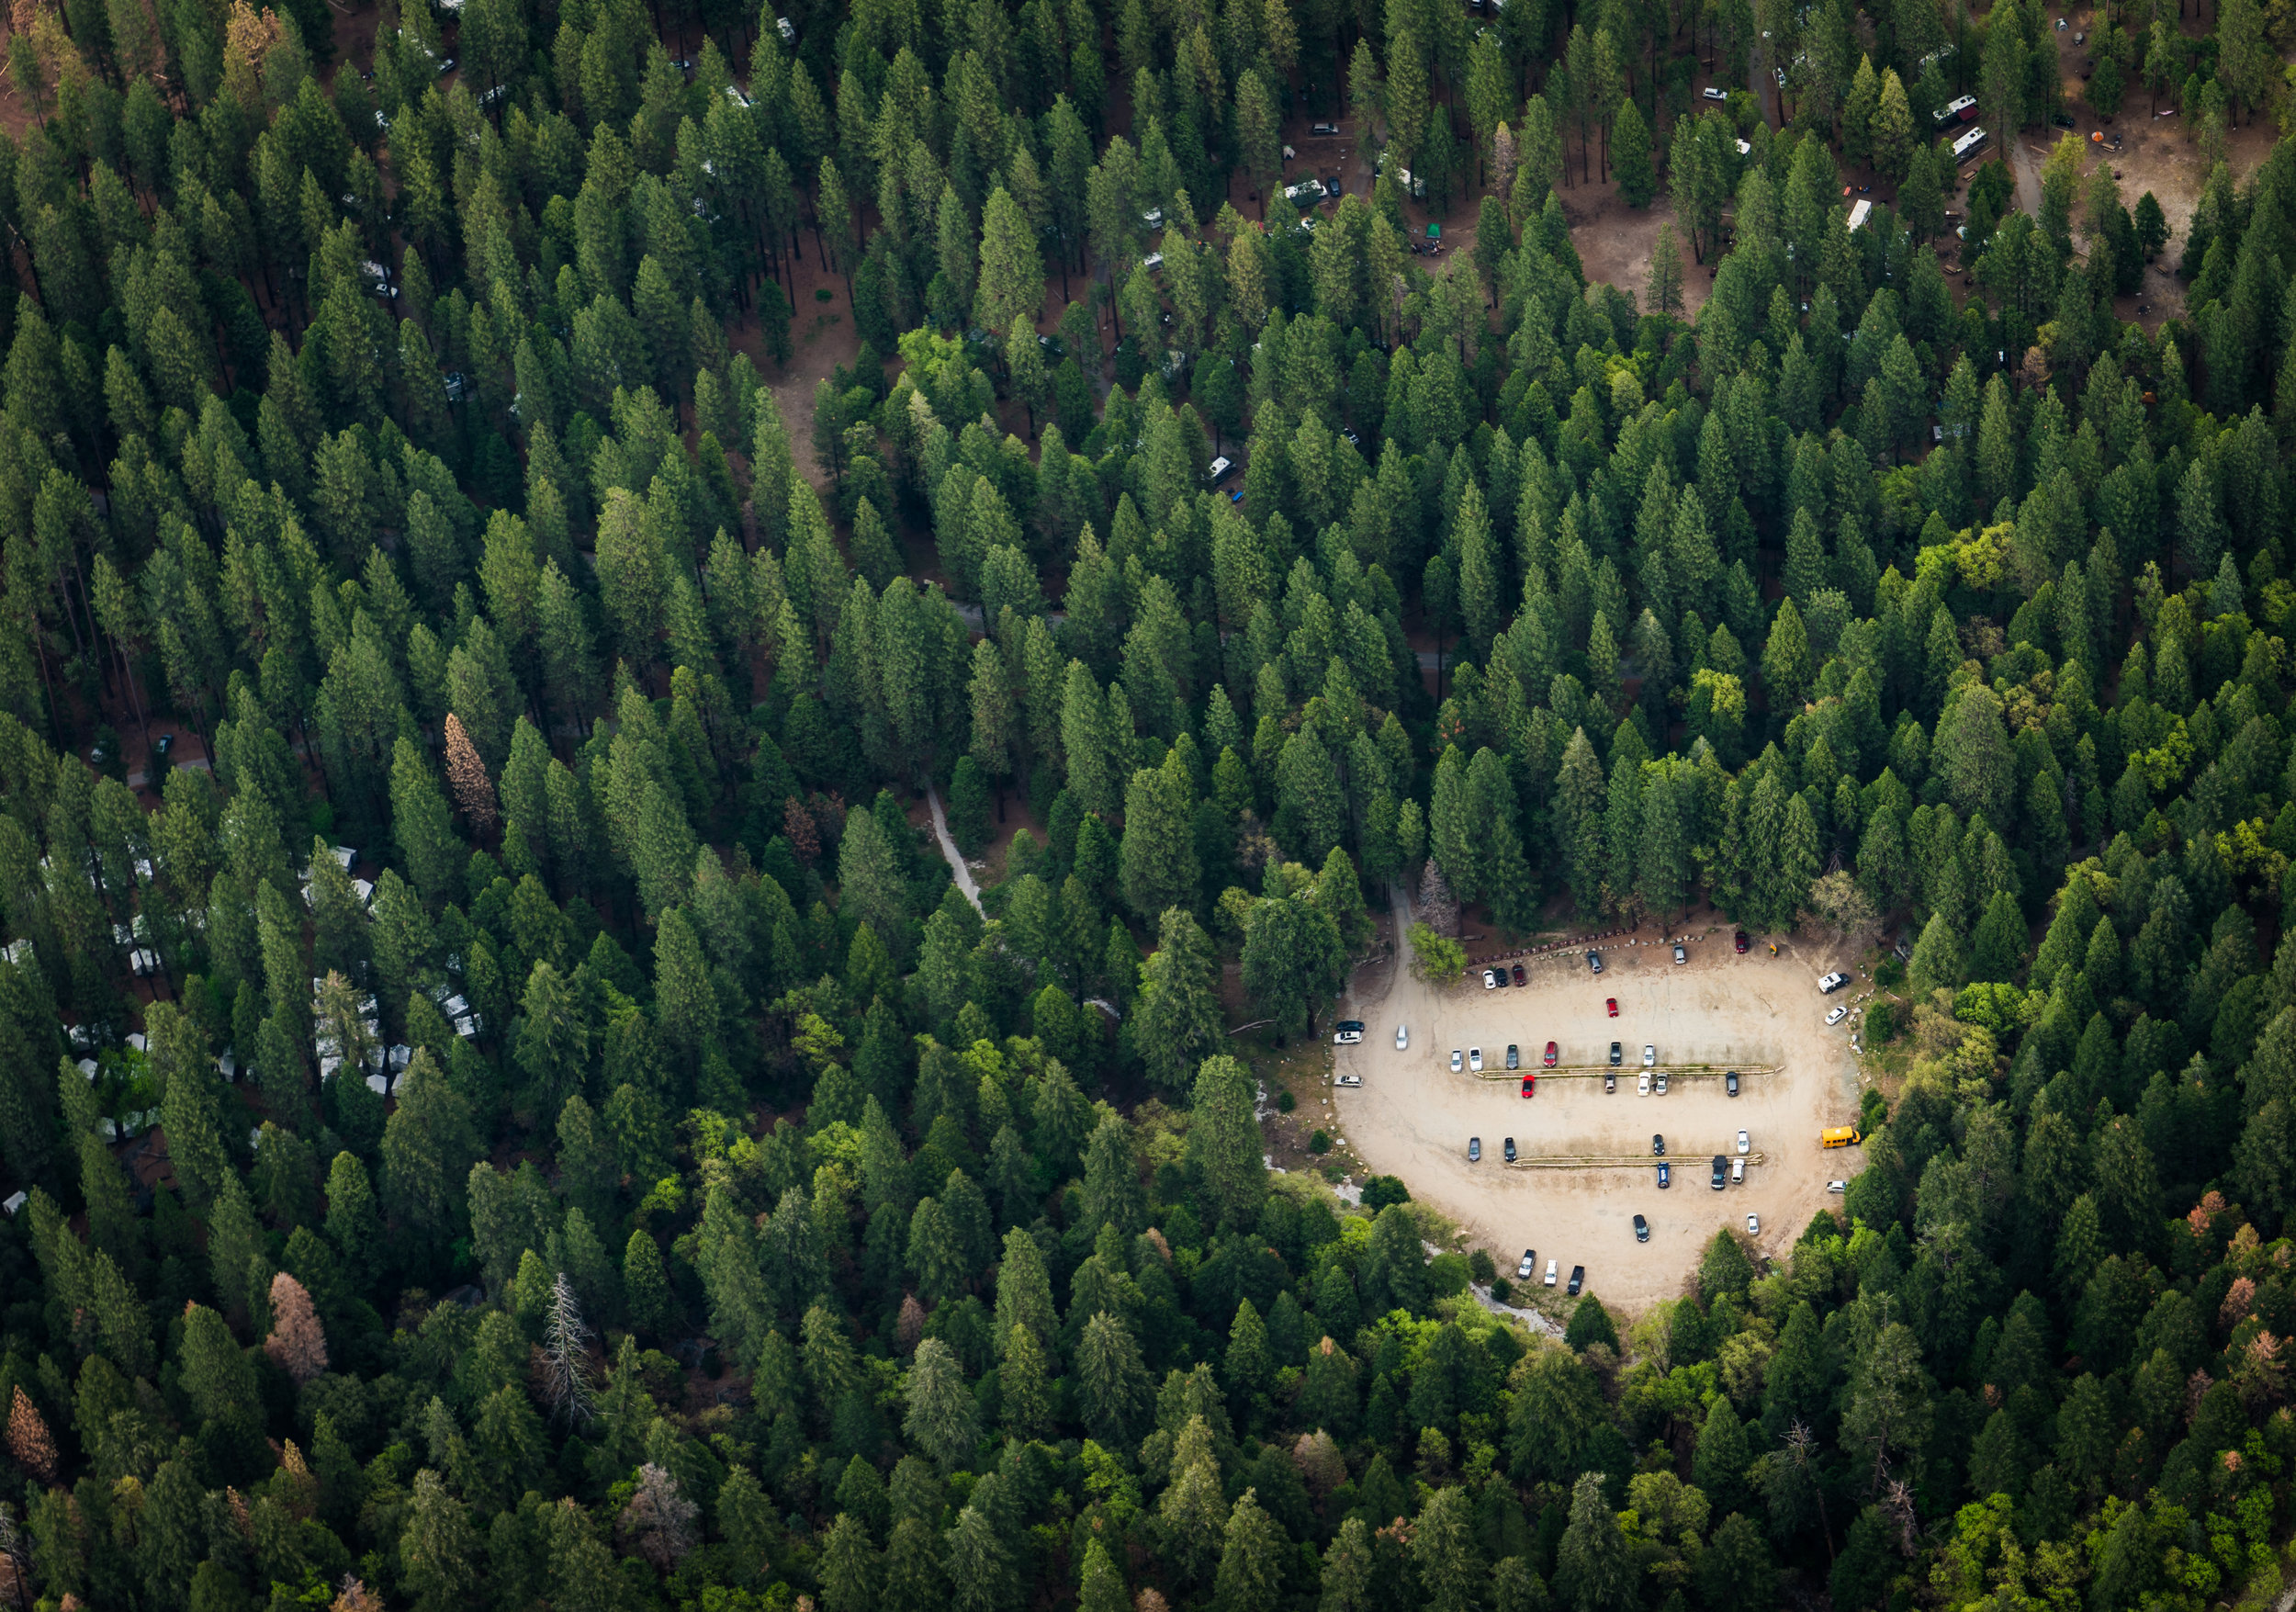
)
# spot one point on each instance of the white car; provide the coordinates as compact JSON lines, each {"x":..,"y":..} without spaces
{"x":1490,"y":979}
{"x":1458,"y":1060}
{"x":1738,"y":1172}
{"x":1836,"y":1016}
{"x":1712,"y":94}
{"x":1837,"y":1186}
{"x":1550,"y":1273}
{"x":1745,"y":1143}
{"x":1350,"y":1080}
{"x":1649,"y":1055}
{"x":1402,"y":1037}
{"x":1530,"y":1264}
{"x":1475,"y":1059}
{"x":1828,"y":984}
{"x":1347,"y":1033}
{"x":1642,"y":1084}
{"x":1753,"y":1225}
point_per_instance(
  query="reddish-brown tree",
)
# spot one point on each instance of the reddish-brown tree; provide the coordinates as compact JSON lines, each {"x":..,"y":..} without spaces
{"x":467,"y":776}
{"x":29,"y":1440}
{"x":298,"y":1343}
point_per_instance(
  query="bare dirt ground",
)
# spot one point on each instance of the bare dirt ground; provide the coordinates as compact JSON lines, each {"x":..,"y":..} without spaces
{"x":1412,"y":1117}
{"x":1616,"y":241}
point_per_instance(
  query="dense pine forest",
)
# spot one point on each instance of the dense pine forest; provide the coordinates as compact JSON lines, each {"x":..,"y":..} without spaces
{"x":506,"y":1103}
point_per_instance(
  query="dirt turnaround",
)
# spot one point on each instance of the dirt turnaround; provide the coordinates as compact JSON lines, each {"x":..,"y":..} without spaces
{"x":1412,"y":1117}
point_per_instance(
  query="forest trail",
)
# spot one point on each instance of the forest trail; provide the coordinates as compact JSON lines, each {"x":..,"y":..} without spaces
{"x":948,"y":849}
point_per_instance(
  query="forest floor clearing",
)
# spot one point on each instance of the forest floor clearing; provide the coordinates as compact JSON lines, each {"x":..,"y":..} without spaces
{"x":1615,"y":243}
{"x":1412,"y":1117}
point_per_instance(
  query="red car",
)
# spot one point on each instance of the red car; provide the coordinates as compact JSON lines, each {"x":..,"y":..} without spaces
{"x":1550,"y":1054}
{"x":1528,"y":1082}
{"x":1518,"y":974}
{"x":1739,"y":941}
{"x":1612,"y":1003}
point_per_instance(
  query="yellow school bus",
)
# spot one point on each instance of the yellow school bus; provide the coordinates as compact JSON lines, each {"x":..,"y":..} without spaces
{"x":1839,"y":1136}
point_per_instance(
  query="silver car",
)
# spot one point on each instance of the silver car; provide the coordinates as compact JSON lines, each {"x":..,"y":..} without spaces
{"x":1402,"y":1037}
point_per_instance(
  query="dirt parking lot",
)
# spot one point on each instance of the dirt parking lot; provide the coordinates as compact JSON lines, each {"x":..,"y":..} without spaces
{"x":1412,"y":1117}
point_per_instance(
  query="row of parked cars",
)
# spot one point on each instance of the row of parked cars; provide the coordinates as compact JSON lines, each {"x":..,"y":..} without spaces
{"x":1524,"y":1271}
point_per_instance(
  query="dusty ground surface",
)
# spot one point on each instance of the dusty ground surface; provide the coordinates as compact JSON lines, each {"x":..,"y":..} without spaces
{"x":1615,"y":242}
{"x":1412,"y":1117}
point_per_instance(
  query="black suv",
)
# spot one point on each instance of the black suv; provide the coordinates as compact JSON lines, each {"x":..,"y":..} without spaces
{"x":1721,"y":1171}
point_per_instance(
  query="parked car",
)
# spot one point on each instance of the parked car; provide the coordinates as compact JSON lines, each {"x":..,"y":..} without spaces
{"x":1490,"y":979}
{"x":1610,"y":1006}
{"x":1729,"y":1083}
{"x":1738,"y":1172}
{"x":1530,"y":1083}
{"x":1753,"y":1225}
{"x":1836,"y":1016}
{"x":1738,"y":941}
{"x":1610,"y":1082}
{"x":1549,"y":1056}
{"x":1458,"y":1060}
{"x":1642,"y":1230}
{"x":1509,"y":1149}
{"x":1712,"y":94}
{"x":1474,"y":1150}
{"x":1350,"y":1080}
{"x":1721,"y":1171}
{"x":1658,"y":1144}
{"x":1530,"y":1263}
{"x":1578,"y":1280}
{"x":1662,"y":1080}
{"x":1837,"y":1187}
{"x":1402,"y":1038}
{"x":1649,"y":1055}
{"x":1333,"y":185}
{"x":1514,"y":1060}
{"x":1617,"y":1053}
{"x":1475,"y":1059}
{"x":1347,"y":1033}
{"x":1518,"y":974}
{"x":1745,"y":1143}
{"x":1666,"y":1175}
{"x":1550,"y":1273}
{"x":1594,"y":960}
{"x":1326,"y":128}
{"x":1831,"y":983}
{"x":1642,"y":1084}
{"x":1682,"y":953}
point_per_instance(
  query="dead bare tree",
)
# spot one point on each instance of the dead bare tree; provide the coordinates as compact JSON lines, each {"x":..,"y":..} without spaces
{"x":565,"y":1356}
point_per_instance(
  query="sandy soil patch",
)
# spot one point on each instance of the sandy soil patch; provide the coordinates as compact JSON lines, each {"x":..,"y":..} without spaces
{"x":1412,"y":1117}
